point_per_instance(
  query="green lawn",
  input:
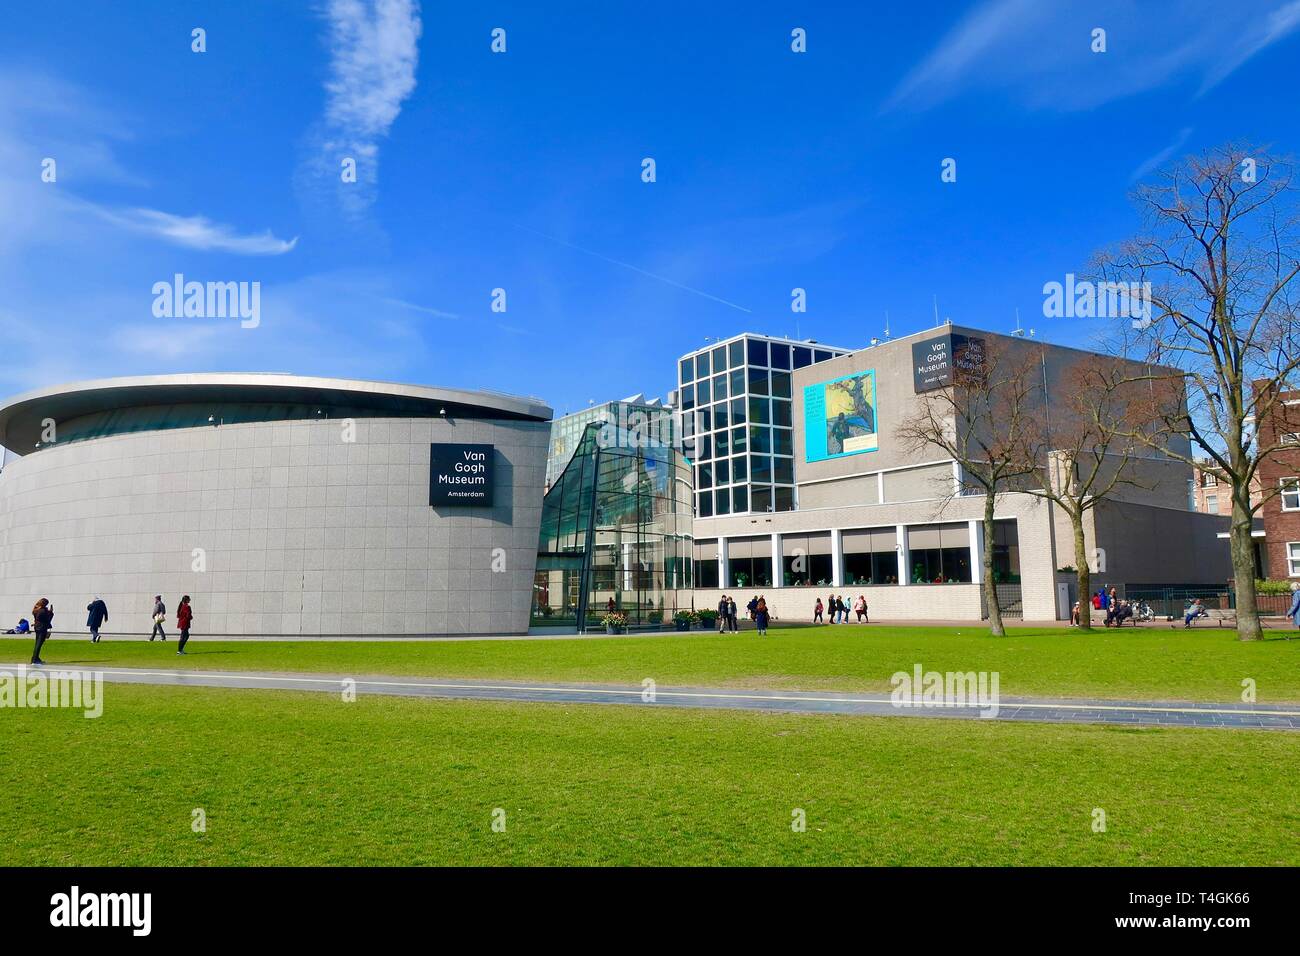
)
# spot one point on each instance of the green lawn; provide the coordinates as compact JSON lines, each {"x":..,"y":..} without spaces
{"x":294,"y":778}
{"x":1156,"y":663}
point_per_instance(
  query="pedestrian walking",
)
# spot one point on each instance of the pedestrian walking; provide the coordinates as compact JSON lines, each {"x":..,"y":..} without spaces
{"x":817,"y":612}
{"x":861,"y":609}
{"x":184,"y":617}
{"x":96,"y":616}
{"x":42,"y":621}
{"x":1294,"y":612}
{"x":732,"y":615}
{"x":723,"y":604}
{"x":159,"y":616}
{"x":761,"y":615}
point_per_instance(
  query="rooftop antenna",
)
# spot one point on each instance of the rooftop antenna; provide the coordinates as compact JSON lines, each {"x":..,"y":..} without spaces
{"x":1018,"y":330}
{"x":886,"y":323}
{"x":936,"y":311}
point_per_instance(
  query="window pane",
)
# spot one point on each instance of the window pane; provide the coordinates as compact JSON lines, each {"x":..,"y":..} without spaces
{"x":784,"y":499}
{"x":738,"y":439}
{"x":740,"y":497}
{"x":780,"y":413}
{"x":719,"y":387}
{"x":737,"y":380}
{"x":758,"y":381}
{"x":760,"y":438}
{"x":704,"y":505}
{"x":761,"y":496}
{"x":723,"y":498}
{"x":719,"y":358}
{"x":780,"y":355}
{"x":688,"y":397}
{"x":739,"y":470}
{"x":704,"y":418}
{"x":782,"y":442}
{"x":704,"y":476}
{"x":687,"y":371}
{"x":783,"y":471}
{"x":820,"y":355}
{"x":722,"y":472}
{"x":702,"y":365}
{"x":703,"y":393}
{"x":736,"y":351}
{"x":781,"y":384}
{"x":720,"y":443}
{"x":760,"y":468}
{"x":703,"y":447}
{"x":720,"y":418}
{"x":737,"y":411}
{"x":802,"y":356}
{"x":757,"y":352}
{"x":759,"y":411}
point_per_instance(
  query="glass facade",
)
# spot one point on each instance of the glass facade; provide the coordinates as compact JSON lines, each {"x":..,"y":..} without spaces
{"x":616,"y":531}
{"x":657,"y":421}
{"x":736,"y":402}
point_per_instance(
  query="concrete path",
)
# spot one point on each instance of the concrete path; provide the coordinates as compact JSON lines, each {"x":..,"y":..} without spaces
{"x":1044,"y":710}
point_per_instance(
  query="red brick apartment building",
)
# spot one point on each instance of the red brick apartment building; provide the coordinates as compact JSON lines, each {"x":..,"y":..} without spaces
{"x":1279,"y":472}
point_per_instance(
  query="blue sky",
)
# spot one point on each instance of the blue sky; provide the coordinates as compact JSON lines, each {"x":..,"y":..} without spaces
{"x":522,"y":171}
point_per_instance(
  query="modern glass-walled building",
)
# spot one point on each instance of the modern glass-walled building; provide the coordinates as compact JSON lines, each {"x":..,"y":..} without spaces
{"x":737,"y":402}
{"x":616,"y":527}
{"x":635,"y":413}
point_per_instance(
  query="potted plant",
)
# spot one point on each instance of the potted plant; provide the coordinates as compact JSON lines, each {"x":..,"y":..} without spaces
{"x":708,"y":617}
{"x":684,"y":619}
{"x":655,"y":617}
{"x":615,"y":622}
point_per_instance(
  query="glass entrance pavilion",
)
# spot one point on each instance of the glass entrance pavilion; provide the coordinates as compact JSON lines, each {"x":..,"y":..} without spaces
{"x":615,"y":532}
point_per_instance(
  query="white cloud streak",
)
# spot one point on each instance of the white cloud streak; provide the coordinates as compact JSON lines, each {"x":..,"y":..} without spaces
{"x":194,"y":232}
{"x":374,"y":53}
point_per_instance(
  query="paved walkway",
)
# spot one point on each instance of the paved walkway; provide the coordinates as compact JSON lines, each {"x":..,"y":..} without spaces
{"x":1045,"y":710}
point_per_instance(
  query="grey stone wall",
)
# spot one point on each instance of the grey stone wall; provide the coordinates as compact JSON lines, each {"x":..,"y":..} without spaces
{"x":301,"y":533}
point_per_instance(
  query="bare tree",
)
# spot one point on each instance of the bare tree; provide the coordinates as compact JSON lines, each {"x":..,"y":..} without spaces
{"x":1083,"y":443}
{"x":982,"y":420}
{"x":1217,"y":262}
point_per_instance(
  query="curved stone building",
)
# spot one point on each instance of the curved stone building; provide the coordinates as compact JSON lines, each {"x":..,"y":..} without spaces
{"x":283,"y":505}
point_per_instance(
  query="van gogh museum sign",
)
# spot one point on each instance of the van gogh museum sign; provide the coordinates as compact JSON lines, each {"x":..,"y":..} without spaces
{"x":460,"y":474}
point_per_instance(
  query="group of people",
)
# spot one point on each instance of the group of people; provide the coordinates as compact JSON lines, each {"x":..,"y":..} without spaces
{"x":756,"y":609}
{"x":839,"y":610}
{"x":96,"y":616}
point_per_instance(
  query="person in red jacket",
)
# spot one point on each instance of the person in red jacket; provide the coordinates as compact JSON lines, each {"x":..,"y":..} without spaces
{"x":184,"y":616}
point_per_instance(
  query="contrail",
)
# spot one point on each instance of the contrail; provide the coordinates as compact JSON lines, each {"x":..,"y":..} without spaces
{"x":626,"y":265}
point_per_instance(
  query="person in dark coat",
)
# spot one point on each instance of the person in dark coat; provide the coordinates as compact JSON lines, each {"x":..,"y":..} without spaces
{"x":184,"y":617}
{"x":732,"y":615}
{"x":97,"y":614}
{"x":761,"y":616}
{"x":722,"y":614}
{"x":42,"y":621}
{"x":817,"y":612}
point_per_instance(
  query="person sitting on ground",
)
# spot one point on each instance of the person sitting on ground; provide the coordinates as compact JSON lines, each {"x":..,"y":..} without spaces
{"x":22,"y":628}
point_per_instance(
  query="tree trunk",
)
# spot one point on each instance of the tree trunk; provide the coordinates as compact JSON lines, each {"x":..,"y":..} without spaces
{"x":991,"y":589}
{"x":1243,"y":567}
{"x":1083,"y":573}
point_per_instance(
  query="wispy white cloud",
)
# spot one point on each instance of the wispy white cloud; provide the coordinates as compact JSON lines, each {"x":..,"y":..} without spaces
{"x":1041,"y":52}
{"x":194,"y":232}
{"x":1152,"y":163}
{"x":1260,"y":32}
{"x":374,"y":52}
